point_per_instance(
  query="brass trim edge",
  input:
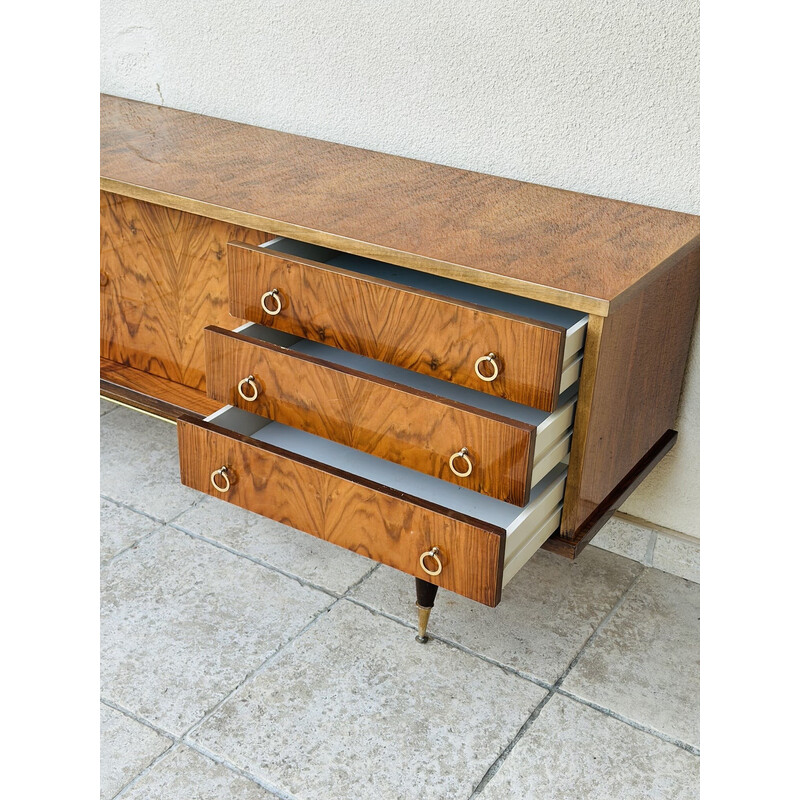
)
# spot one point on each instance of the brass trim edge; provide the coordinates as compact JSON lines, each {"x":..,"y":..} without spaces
{"x":446,"y":269}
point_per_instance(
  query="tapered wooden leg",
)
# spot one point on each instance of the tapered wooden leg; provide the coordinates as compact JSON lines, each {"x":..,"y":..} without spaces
{"x":426,"y":594}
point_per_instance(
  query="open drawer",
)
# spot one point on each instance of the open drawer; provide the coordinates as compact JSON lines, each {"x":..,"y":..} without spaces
{"x":453,"y":537}
{"x":512,"y":347}
{"x":469,"y":438}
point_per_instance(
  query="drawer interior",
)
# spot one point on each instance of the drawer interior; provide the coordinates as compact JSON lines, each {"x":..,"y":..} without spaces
{"x":574,"y":322}
{"x":526,"y":528}
{"x":553,"y":430}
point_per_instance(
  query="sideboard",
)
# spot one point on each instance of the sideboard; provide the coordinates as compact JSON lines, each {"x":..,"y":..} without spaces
{"x":438,"y":369}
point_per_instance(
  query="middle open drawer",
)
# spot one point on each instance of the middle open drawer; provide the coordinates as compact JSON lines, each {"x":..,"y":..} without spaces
{"x":466,"y":437}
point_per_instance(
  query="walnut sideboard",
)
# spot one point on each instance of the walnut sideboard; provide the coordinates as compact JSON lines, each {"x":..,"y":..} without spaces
{"x":440,"y":370}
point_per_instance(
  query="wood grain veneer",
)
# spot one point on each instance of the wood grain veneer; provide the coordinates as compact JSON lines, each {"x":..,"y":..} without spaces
{"x":157,"y":396}
{"x":407,"y":327}
{"x":572,"y":546}
{"x":362,"y":516}
{"x":575,"y":250}
{"x":163,"y":278}
{"x":630,"y":387}
{"x":401,"y":424}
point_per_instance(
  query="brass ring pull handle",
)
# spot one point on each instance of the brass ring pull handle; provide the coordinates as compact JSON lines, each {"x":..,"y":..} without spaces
{"x":272,"y":293}
{"x":463,"y":454}
{"x":248,"y":381}
{"x":491,"y":359}
{"x":222,"y":472}
{"x":434,"y":554}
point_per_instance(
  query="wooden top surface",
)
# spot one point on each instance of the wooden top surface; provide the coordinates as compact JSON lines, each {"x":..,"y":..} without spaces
{"x":575,"y":250}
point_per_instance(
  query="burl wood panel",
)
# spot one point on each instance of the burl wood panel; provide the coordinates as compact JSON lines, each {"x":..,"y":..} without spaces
{"x":158,"y":396}
{"x":388,"y":420}
{"x":361,"y":516}
{"x":562,"y":247}
{"x":407,"y":327}
{"x":630,"y":388}
{"x":163,"y":278}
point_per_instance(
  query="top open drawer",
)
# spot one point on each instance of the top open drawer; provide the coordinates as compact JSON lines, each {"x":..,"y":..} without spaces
{"x":512,"y":347}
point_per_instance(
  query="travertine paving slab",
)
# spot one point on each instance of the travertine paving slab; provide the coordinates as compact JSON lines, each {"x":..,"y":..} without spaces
{"x":355,"y":708}
{"x":626,"y":539}
{"x":677,"y":556}
{"x":295,"y":552}
{"x":645,"y":664}
{"x":139,"y":464}
{"x":188,"y":775}
{"x":183,"y":622}
{"x":106,"y":406}
{"x":547,"y":612}
{"x":126,"y":748}
{"x":120,"y":528}
{"x":572,"y":752}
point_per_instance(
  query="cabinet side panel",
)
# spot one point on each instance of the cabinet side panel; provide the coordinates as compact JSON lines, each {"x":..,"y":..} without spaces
{"x":640,"y":364}
{"x":163,"y":278}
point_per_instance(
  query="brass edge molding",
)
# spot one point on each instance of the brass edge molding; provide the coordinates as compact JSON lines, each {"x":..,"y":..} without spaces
{"x":583,"y":410}
{"x":445,"y":269}
{"x":139,"y":410}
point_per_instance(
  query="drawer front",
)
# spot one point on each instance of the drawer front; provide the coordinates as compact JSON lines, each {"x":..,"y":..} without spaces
{"x":369,"y":519}
{"x":398,"y":423}
{"x":411,"y":328}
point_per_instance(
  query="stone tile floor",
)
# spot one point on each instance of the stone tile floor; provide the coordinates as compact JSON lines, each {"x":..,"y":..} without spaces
{"x":242,"y":659}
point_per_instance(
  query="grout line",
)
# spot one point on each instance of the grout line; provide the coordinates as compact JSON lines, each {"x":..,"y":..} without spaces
{"x":141,"y":720}
{"x":356,"y":584}
{"x":542,"y":684}
{"x":159,"y":525}
{"x":120,"y":504}
{"x":199,"y":501}
{"x":493,"y":769}
{"x":157,"y":760}
{"x":498,"y":762}
{"x":254,"y":560}
{"x":275,"y":790}
{"x":690,"y":748}
{"x":177,"y":741}
{"x":596,"y":631}
{"x":256,"y":671}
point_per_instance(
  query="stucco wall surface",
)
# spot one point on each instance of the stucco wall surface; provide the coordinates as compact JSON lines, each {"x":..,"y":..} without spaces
{"x":599,"y":96}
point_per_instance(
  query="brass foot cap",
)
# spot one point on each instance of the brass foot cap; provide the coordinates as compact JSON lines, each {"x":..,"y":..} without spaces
{"x":424,"y":614}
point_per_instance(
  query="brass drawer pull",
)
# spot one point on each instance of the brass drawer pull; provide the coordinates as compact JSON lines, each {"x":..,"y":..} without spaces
{"x":434,"y":554}
{"x":491,"y":359}
{"x":462,"y":453}
{"x":222,"y":472}
{"x":248,"y":381}
{"x":273,"y":293}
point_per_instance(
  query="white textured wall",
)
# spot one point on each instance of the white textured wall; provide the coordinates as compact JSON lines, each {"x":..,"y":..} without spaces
{"x":598,"y":96}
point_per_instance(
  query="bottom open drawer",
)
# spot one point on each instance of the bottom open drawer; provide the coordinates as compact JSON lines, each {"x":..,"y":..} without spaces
{"x":379,"y":509}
